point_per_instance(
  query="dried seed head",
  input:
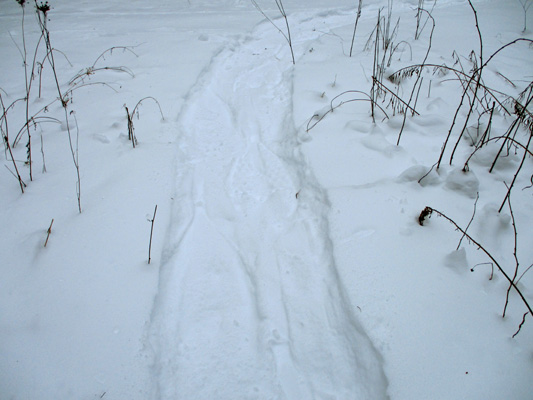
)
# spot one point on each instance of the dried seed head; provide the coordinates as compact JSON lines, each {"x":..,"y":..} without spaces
{"x":426,"y":213}
{"x":43,"y":7}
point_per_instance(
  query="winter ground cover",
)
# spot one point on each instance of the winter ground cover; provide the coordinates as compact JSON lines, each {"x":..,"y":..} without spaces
{"x":287,"y":258}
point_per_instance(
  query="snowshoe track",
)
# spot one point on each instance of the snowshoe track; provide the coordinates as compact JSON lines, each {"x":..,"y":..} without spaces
{"x":250,"y":305}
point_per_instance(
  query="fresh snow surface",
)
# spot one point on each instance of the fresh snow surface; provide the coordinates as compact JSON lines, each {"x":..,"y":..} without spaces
{"x":286,"y":262}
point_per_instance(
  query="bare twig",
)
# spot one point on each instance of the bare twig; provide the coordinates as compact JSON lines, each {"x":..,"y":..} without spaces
{"x":375,"y":69}
{"x":426,"y":175}
{"x":42,"y":153}
{"x":355,"y":26}
{"x":496,"y":138}
{"x":443,"y":69}
{"x":504,"y":47}
{"x":428,"y":211}
{"x":281,"y":9}
{"x":521,"y":323}
{"x":49,"y":231}
{"x":526,"y":4}
{"x":151,"y":233}
{"x":75,"y":158}
{"x":33,"y":122}
{"x":16,"y":177}
{"x":131,"y":128}
{"x":470,"y":222}
{"x":516,"y":174}
{"x":418,"y":77}
{"x":110,"y":51}
{"x":135,"y":109}
{"x":395,"y":96}
{"x":476,"y":74}
{"x":42,"y":16}
{"x":5,"y":137}
{"x":517,"y":264}
{"x":91,"y":71}
{"x":523,"y":273}
{"x":316,"y":118}
{"x":486,"y":263}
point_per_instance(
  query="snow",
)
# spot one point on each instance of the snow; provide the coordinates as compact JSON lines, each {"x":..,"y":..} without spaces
{"x":286,"y":262}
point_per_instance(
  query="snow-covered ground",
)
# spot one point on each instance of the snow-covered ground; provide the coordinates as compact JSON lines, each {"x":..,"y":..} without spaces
{"x":287,"y":261}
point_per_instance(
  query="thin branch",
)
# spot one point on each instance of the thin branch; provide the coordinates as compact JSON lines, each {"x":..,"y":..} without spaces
{"x":386,"y":89}
{"x":427,"y":213}
{"x":496,"y":138}
{"x":485,"y":263}
{"x":332,"y":108}
{"x":417,"y":68}
{"x":504,"y":47}
{"x":418,"y":76}
{"x":148,"y":98}
{"x":476,"y":74}
{"x":110,"y":51}
{"x":523,"y":273}
{"x":517,"y":264}
{"x":284,"y":14}
{"x":355,"y":27}
{"x":131,"y":128}
{"x":5,"y":137}
{"x":516,"y":174}
{"x":281,"y":9}
{"x":469,"y":223}
{"x":91,"y":71}
{"x":521,"y":323}
{"x":75,"y":158}
{"x":32,"y":122}
{"x":151,"y":233}
{"x":49,"y":231}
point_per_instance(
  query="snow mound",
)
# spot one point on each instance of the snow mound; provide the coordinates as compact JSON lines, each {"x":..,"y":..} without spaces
{"x":426,"y":176}
{"x":456,"y":261}
{"x":463,"y":182}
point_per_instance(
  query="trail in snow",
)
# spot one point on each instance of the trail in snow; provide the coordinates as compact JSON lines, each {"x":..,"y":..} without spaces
{"x":250,"y":304}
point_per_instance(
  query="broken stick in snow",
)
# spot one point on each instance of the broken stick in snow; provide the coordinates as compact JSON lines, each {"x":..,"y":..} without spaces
{"x":151,"y":233}
{"x":49,"y":231}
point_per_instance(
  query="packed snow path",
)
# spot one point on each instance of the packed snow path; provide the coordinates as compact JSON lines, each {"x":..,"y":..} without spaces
{"x":250,"y":305}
